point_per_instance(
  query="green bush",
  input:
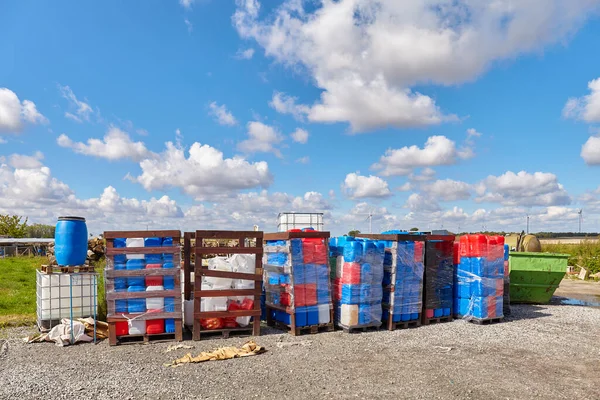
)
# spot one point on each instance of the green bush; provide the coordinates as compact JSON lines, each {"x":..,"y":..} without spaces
{"x":585,"y":254}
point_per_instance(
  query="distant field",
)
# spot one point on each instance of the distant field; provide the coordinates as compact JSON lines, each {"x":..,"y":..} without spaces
{"x":568,"y":240}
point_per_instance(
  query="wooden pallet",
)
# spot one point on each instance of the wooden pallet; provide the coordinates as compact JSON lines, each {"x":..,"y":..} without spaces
{"x":303,"y":330}
{"x":358,"y":329}
{"x":430,"y":321}
{"x":227,"y":332}
{"x":488,"y":321}
{"x":57,"y":269}
{"x":402,"y":324}
{"x":147,"y":338}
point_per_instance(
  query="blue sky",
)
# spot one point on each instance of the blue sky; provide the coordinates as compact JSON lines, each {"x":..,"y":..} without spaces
{"x":93,"y":91}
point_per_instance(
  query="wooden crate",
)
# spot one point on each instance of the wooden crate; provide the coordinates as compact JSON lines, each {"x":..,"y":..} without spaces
{"x":201,"y":251}
{"x":389,"y":324}
{"x":112,"y":296}
{"x":292,"y":328}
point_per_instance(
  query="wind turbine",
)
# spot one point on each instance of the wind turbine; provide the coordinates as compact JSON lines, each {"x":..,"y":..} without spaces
{"x":370,"y":219}
{"x":580,"y":212}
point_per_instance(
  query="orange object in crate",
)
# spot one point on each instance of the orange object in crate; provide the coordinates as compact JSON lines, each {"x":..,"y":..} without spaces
{"x":491,"y":307}
{"x":155,"y":326}
{"x":351,"y":273}
{"x":310,"y":294}
{"x":121,"y":328}
{"x":299,"y":296}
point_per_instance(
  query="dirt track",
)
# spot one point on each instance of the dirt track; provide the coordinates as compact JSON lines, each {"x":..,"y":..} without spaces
{"x":548,"y":352}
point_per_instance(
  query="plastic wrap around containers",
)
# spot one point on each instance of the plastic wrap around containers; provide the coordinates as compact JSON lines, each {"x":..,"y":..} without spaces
{"x":296,"y":276}
{"x":438,"y":278}
{"x":357,"y":281}
{"x":242,"y":263}
{"x":480,"y":275}
{"x":133,"y":308}
{"x":403,"y":280}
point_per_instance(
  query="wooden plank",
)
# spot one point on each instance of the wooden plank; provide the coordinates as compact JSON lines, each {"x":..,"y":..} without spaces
{"x":227,"y":314}
{"x":227,"y":250}
{"x":223,"y":293}
{"x":143,"y":295}
{"x":231,"y":235}
{"x":296,"y":235}
{"x":145,"y":317}
{"x":227,"y":274}
{"x":444,"y":238}
{"x":143,"y":250}
{"x":187,"y":261}
{"x":142,"y":234}
{"x":124,"y":273}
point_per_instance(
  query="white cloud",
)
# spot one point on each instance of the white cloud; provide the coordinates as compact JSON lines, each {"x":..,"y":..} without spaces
{"x":141,"y":132}
{"x":427,"y":174}
{"x":358,"y":218}
{"x":448,"y":190}
{"x":406,"y":187}
{"x":590,"y":151}
{"x":471,"y":133}
{"x":300,"y":136}
{"x":189,"y":25}
{"x":438,"y":150}
{"x":245,"y":54}
{"x":359,"y":187}
{"x":262,"y":138}
{"x":420,"y":203}
{"x":366,"y":54}
{"x":303,"y":160}
{"x":2,"y":140}
{"x":13,"y":112}
{"x":223,"y":116}
{"x":285,"y":104}
{"x":115,"y":145}
{"x":21,"y":161}
{"x":204,"y":174}
{"x":585,"y":108}
{"x":82,"y":109}
{"x":187,"y":4}
{"x":523,"y":189}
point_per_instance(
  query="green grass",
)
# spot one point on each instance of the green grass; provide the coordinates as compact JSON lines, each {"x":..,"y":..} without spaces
{"x":585,"y":254}
{"x":18,"y":291}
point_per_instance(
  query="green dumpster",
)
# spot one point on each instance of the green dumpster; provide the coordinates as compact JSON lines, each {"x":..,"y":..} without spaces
{"x":535,"y":276}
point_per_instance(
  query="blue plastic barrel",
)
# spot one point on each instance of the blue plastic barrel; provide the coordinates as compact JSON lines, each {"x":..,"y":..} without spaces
{"x":70,"y":239}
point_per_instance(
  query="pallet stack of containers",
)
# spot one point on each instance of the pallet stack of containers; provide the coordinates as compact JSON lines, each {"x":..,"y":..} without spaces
{"x":296,"y":281}
{"x":438,"y":279}
{"x":480,"y":278}
{"x":227,"y":283}
{"x":142,"y":285}
{"x":357,"y":282}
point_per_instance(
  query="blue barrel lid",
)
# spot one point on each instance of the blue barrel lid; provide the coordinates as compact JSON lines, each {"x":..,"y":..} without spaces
{"x":71,"y":219}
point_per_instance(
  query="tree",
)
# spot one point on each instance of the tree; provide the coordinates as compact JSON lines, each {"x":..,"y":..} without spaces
{"x":414,"y":229}
{"x":11,"y":226}
{"x":40,"y":231}
{"x":353,"y":233}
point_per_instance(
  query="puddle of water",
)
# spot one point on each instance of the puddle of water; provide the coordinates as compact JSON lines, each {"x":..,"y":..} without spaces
{"x":589,"y":302}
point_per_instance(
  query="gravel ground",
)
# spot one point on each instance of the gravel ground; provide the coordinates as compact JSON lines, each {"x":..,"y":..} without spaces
{"x":547,"y":352}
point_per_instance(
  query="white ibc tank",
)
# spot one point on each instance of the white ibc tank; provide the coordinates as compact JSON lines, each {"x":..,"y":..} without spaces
{"x":57,"y":294}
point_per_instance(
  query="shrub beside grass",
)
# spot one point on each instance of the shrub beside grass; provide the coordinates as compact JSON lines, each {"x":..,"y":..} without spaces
{"x":585,"y":254}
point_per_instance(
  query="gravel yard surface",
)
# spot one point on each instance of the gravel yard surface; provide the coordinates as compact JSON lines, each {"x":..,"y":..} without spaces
{"x":546,"y":352}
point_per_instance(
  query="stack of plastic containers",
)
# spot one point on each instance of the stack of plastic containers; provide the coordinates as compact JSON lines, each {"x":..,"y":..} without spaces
{"x":144,"y":284}
{"x":438,"y":278}
{"x":357,"y":285}
{"x":135,"y":295}
{"x":480,"y":277}
{"x":403,"y":281}
{"x":296,"y":281}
